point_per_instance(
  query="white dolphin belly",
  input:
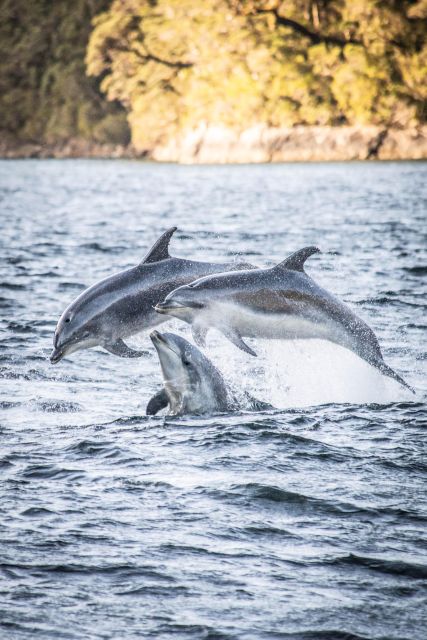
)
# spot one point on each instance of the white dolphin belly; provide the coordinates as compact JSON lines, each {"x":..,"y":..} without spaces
{"x":285,"y":326}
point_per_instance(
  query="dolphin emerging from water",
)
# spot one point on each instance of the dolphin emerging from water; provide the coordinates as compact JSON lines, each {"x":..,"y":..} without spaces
{"x":192,"y":384}
{"x":279,"y":302}
{"x":122,"y":305}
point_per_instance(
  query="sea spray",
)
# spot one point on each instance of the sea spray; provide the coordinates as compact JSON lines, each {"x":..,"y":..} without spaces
{"x":298,"y":373}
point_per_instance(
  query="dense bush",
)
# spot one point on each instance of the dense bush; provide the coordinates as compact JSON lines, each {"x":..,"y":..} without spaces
{"x":177,"y":63}
{"x":45,"y":95}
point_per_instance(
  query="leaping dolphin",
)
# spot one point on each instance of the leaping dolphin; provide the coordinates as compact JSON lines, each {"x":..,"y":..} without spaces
{"x":123,"y":304}
{"x":192,"y":384}
{"x":281,"y":302}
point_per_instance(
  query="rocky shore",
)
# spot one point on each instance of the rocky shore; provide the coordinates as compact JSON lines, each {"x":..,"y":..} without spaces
{"x":73,"y":148}
{"x":210,"y":144}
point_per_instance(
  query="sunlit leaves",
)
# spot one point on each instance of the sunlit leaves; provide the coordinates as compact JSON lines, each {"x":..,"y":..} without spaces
{"x":176,"y":64}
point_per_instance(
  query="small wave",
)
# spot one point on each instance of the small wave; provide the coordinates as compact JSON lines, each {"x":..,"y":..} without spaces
{"x":155,"y":590}
{"x":33,"y":629}
{"x":320,"y":634}
{"x":51,"y":472}
{"x":185,"y":549}
{"x":196,"y":631}
{"x":153,"y":485}
{"x":420,"y":270}
{"x":387,"y":300}
{"x":252,"y":492}
{"x":15,"y":259}
{"x":19,"y":327}
{"x":13,"y":286}
{"x":395,"y":567}
{"x":5,"y":303}
{"x":65,"y":286}
{"x":105,"y":449}
{"x":128,"y":421}
{"x":36,"y":512}
{"x":45,"y":274}
{"x":268,"y":531}
{"x":123,"y":569}
{"x":96,"y":246}
{"x":256,"y":492}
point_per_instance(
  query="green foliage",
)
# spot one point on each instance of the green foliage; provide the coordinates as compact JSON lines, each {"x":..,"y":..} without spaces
{"x":45,"y":95}
{"x":177,"y":63}
{"x":170,"y":65}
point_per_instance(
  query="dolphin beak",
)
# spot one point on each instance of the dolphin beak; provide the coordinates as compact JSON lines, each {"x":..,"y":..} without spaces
{"x":164,"y":307}
{"x":170,"y":305}
{"x":156,"y":337}
{"x":56,"y":356}
{"x":161,"y":342}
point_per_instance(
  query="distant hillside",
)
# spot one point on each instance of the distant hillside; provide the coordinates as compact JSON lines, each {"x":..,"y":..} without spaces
{"x":75,"y":74}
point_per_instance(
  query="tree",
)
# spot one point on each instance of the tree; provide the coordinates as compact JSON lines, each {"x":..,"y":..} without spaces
{"x":177,"y":63}
{"x":45,"y":95}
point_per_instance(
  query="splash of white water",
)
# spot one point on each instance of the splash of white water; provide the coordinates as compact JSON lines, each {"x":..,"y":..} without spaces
{"x":303,"y":373}
{"x":296,"y":373}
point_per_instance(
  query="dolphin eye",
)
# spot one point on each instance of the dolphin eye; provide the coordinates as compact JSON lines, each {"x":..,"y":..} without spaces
{"x":67,"y":319}
{"x":186,"y":362}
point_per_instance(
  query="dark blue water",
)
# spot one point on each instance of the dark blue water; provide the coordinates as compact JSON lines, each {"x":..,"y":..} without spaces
{"x":308,"y":522}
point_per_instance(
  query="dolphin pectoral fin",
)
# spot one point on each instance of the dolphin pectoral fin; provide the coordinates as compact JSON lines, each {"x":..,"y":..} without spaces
{"x":119,"y":348}
{"x":158,"y":402}
{"x":199,"y":332}
{"x":236,"y":339}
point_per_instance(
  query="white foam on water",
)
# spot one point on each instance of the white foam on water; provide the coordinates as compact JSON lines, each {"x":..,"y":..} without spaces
{"x":303,"y":373}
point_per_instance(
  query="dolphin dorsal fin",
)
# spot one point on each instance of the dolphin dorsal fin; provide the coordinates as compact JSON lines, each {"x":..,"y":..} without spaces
{"x":160,"y":249}
{"x":295,"y":262}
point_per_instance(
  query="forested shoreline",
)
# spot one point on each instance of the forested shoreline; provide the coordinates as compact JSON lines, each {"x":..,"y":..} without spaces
{"x":215,"y":80}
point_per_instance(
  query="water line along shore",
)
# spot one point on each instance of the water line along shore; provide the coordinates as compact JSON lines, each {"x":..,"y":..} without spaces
{"x":214,"y":144}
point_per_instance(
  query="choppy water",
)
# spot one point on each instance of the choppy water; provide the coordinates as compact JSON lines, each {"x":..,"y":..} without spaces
{"x":308,"y":522}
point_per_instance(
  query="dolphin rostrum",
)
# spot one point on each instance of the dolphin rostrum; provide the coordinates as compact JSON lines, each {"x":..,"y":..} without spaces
{"x":281,"y":302}
{"x":192,"y":384}
{"x":122,"y":305}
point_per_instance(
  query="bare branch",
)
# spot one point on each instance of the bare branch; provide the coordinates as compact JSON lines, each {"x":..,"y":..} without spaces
{"x":316,"y":38}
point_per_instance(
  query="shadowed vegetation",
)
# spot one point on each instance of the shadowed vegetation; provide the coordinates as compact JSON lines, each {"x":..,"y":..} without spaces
{"x":45,"y":95}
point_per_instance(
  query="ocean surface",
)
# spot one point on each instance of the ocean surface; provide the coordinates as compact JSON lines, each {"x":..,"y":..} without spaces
{"x":307,"y":522}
